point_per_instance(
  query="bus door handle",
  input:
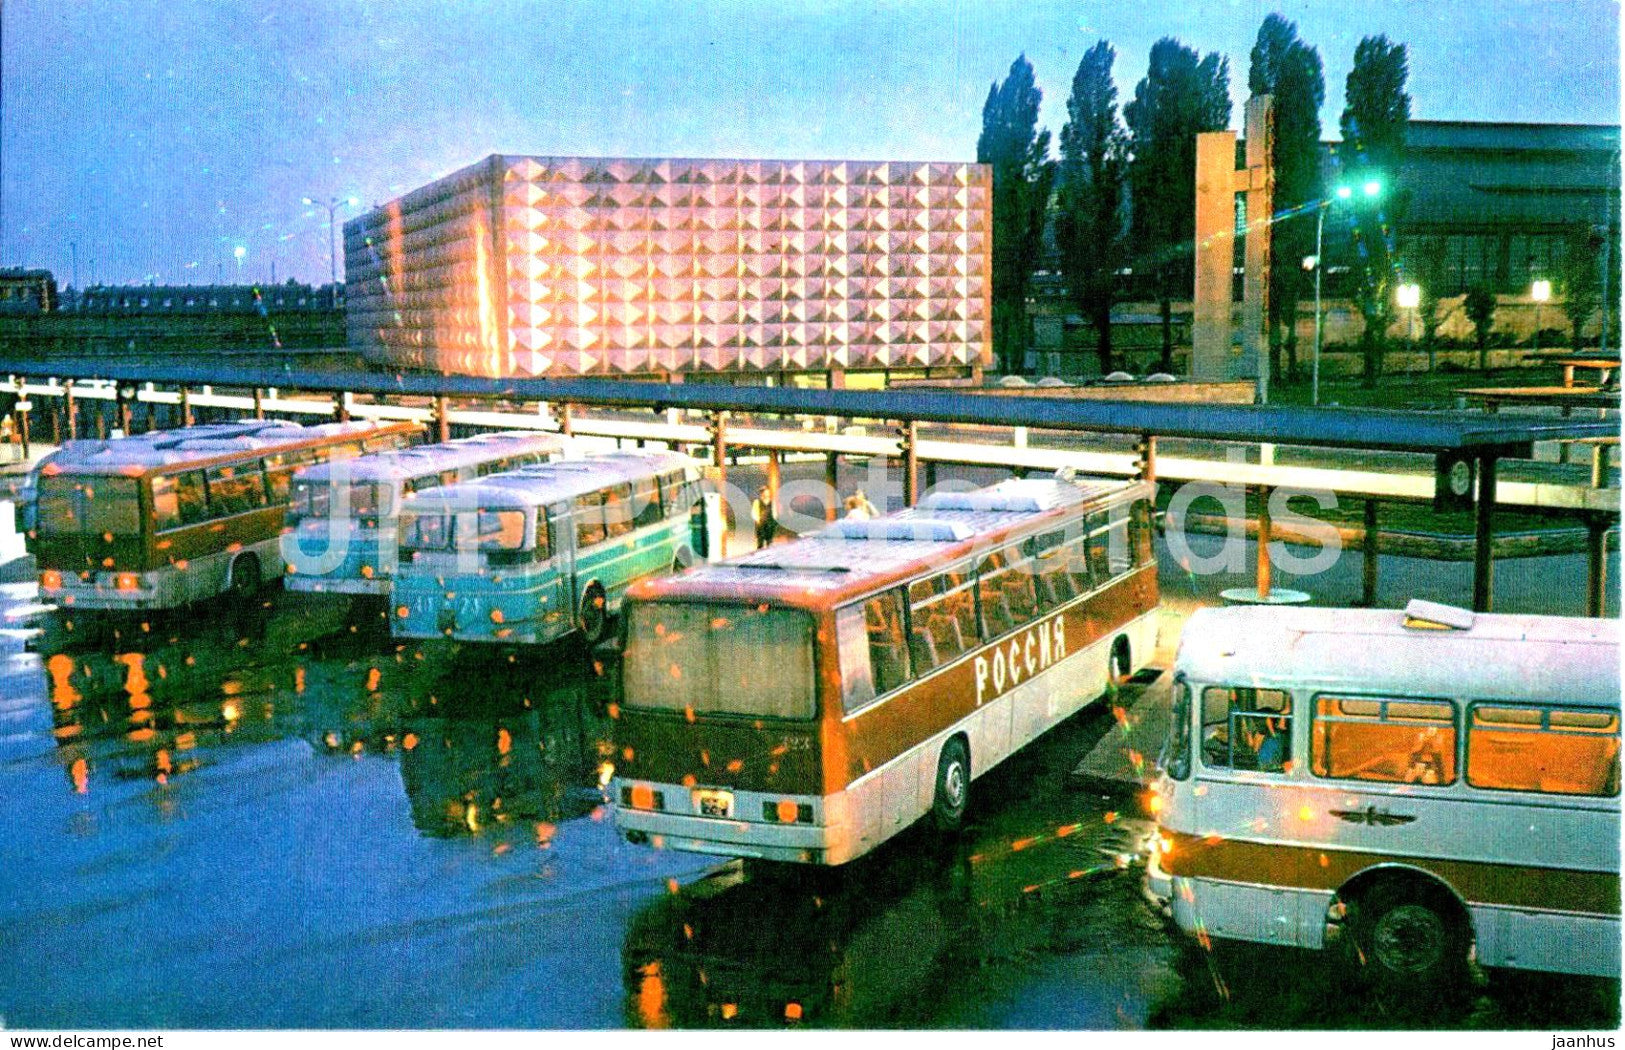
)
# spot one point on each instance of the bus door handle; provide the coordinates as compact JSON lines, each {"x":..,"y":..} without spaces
{"x":1373,"y":817}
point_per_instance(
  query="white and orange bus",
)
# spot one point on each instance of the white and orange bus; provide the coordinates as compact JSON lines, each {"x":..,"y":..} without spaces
{"x":1410,"y":784}
{"x":808,"y":701}
{"x":160,"y":520}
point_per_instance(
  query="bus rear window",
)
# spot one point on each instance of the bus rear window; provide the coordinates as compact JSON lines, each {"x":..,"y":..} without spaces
{"x":89,"y":504}
{"x":1554,"y":751}
{"x":710,"y":658}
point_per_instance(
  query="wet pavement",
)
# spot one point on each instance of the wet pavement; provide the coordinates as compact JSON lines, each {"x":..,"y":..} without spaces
{"x":283,"y":818}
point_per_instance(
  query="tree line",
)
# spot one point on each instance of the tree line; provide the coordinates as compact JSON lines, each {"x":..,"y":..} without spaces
{"x":1121,"y":192}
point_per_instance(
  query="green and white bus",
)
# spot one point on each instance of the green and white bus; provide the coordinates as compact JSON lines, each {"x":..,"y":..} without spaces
{"x":529,"y":556}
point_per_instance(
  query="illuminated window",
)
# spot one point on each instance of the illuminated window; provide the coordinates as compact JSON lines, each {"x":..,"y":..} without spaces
{"x":1394,"y":741}
{"x":1555,"y":751}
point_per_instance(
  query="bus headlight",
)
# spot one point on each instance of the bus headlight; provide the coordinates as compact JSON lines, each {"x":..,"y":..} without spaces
{"x":50,"y":579}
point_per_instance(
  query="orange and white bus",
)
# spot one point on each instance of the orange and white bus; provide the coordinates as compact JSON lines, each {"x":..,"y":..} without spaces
{"x":1411,"y":784}
{"x":163,"y":519}
{"x":808,"y":701}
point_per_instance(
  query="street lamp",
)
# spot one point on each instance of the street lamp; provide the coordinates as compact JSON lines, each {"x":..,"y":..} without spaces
{"x":1409,"y":297}
{"x":332,"y":204}
{"x":1540,"y":291}
{"x":1372,"y":189}
{"x":238,"y":253}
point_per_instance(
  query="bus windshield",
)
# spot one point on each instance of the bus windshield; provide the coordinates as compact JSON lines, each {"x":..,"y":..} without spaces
{"x":313,"y":499}
{"x":486,"y":530}
{"x":720,"y":659}
{"x":89,"y":504}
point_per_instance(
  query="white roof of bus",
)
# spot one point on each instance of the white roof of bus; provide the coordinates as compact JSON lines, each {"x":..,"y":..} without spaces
{"x":545,"y":483}
{"x":420,"y":460}
{"x":1371,"y":651}
{"x":848,"y":551}
{"x":162,"y":447}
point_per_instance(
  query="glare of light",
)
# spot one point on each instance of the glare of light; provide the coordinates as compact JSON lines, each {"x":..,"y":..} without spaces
{"x":239,"y":252}
{"x":1372,"y":188}
{"x":1540,"y":291}
{"x":1311,"y":261}
{"x":1408,"y":296}
{"x":1344,"y":193}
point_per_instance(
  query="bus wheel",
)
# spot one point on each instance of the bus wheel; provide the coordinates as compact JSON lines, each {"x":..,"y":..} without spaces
{"x":594,"y":615}
{"x":953,"y":786}
{"x":1118,"y":668}
{"x":1410,"y":939}
{"x":245,"y":579}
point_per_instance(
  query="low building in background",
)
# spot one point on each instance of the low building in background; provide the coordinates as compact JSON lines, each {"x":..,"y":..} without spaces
{"x":27,"y":292}
{"x":799,"y":270}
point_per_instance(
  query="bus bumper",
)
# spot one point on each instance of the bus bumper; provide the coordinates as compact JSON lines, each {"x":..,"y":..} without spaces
{"x":324,"y":585}
{"x":111,"y":591}
{"x":793,"y":843}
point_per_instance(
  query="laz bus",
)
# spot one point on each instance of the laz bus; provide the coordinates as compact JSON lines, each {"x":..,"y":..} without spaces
{"x":1411,"y":784}
{"x":341,"y":530}
{"x":536,"y":554}
{"x":808,"y":701}
{"x":160,"y":520}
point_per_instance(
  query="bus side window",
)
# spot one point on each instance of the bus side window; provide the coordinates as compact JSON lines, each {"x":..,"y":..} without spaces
{"x":1247,"y":728}
{"x":1119,"y":548}
{"x":617,"y":509}
{"x":670,"y":494}
{"x":1005,"y":584}
{"x":1555,"y":751}
{"x":852,"y":640}
{"x":1393,"y":741}
{"x":589,"y":517}
{"x":191,"y":505}
{"x":888,"y":653}
{"x":1141,"y":529}
{"x":1056,"y":585}
{"x":236,"y":488}
{"x":278,"y":477}
{"x":1099,"y":562}
{"x":645,"y":503}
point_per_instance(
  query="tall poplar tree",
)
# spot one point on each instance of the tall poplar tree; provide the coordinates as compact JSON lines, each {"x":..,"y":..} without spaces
{"x":1376,"y":113}
{"x":1089,"y":220}
{"x":1181,"y":95}
{"x":1289,"y":70}
{"x":1023,"y":179}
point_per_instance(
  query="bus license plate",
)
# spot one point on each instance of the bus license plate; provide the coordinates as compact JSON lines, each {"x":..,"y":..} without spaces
{"x":714,"y":803}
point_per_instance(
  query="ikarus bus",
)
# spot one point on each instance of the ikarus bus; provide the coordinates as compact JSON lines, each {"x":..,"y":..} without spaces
{"x":1417,"y":785}
{"x":163,"y":519}
{"x":341,"y":529}
{"x":808,"y":701}
{"x":532,"y":555}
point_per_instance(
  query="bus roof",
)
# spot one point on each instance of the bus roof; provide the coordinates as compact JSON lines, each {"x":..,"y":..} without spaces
{"x":545,"y":483}
{"x":421,"y":460}
{"x":140,"y":453}
{"x":853,"y":557}
{"x":1373,"y":652}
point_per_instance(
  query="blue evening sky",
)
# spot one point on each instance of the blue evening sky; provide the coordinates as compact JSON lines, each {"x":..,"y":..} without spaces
{"x":159,"y":136}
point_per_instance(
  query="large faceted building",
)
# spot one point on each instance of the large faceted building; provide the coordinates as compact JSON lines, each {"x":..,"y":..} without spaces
{"x":665,"y":268}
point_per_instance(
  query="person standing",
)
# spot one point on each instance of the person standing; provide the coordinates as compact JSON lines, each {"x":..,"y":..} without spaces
{"x":767,"y":523}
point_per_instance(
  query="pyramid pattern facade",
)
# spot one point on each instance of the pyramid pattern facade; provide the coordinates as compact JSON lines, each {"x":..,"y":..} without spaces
{"x":574,"y":266}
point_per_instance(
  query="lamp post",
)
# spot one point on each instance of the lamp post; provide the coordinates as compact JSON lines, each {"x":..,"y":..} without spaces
{"x":1372,"y":189}
{"x":238,"y":253}
{"x":332,"y":204}
{"x":1540,"y":291}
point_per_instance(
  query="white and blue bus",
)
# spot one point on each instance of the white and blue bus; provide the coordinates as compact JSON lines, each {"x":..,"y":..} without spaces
{"x":341,"y":530}
{"x":533,"y":555}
